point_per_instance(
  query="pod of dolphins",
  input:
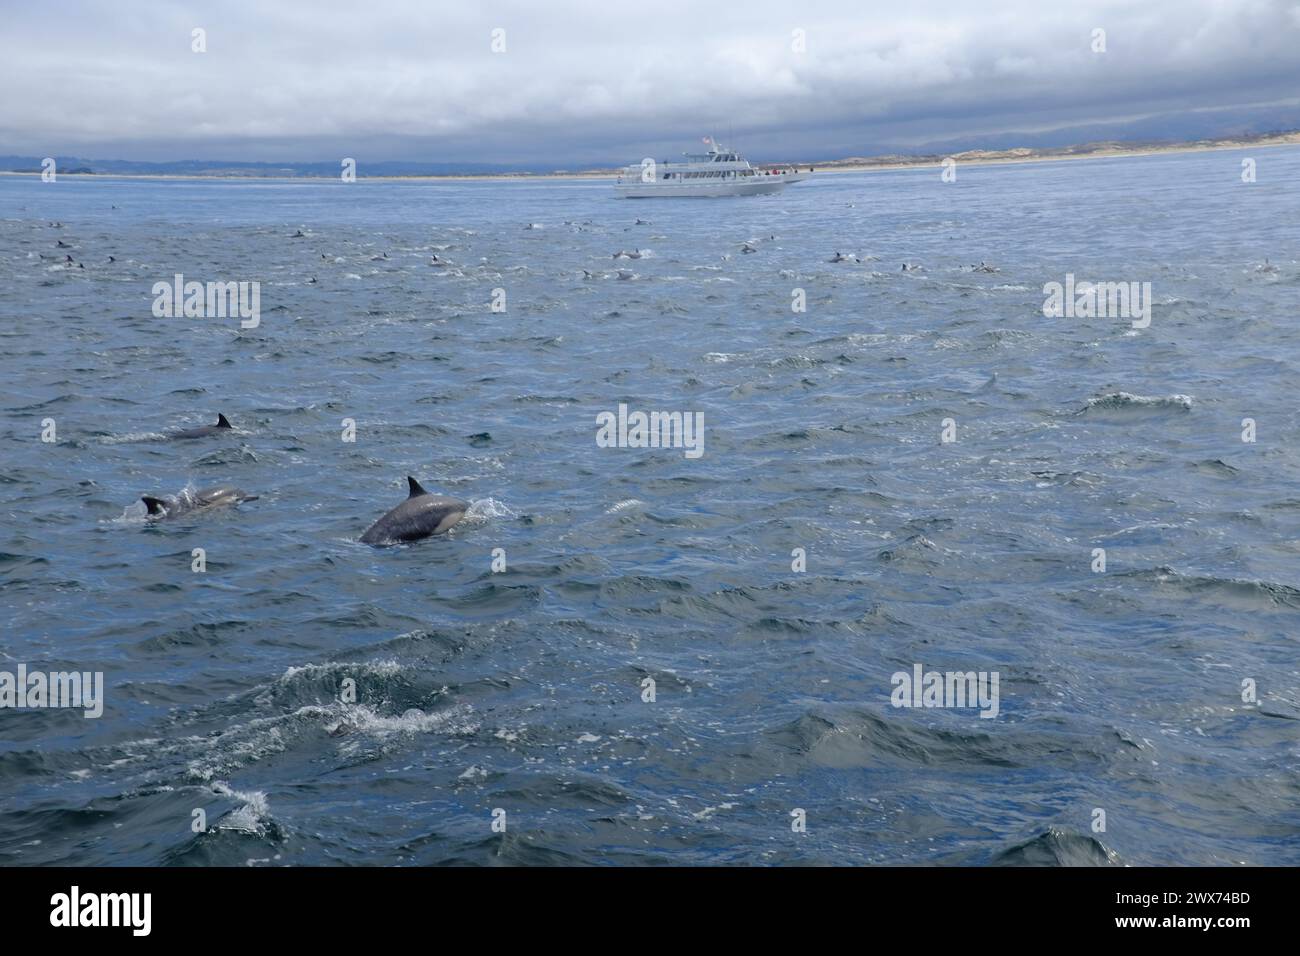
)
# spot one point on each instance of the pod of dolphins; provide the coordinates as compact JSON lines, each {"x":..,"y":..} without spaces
{"x":421,"y":515}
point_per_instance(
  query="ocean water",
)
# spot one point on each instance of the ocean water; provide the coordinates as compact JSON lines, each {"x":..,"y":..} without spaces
{"x":519,"y":695}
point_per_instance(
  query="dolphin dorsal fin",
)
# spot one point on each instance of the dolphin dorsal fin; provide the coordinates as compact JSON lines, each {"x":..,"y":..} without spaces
{"x":221,"y":421}
{"x":415,"y":487}
{"x":156,"y":506}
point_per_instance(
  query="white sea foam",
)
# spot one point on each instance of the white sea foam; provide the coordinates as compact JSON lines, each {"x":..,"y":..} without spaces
{"x":253,"y":817}
{"x":483,"y":509}
{"x":1129,"y":400}
{"x":130,"y":437}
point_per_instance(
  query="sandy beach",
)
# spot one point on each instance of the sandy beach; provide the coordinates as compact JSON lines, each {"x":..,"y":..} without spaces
{"x":980,"y":157}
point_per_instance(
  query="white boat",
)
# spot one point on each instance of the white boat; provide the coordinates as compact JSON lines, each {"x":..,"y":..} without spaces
{"x":719,"y":172}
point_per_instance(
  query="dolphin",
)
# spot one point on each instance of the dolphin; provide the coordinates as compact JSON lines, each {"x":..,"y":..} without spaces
{"x":215,"y":497}
{"x":204,"y":431}
{"x":422,"y":514}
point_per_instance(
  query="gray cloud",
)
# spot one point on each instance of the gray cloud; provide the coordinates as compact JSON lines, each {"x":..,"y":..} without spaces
{"x":595,"y":82}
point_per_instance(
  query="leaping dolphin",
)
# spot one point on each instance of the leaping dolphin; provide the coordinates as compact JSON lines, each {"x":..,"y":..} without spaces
{"x":215,"y":497}
{"x":421,"y":515}
{"x":204,"y":431}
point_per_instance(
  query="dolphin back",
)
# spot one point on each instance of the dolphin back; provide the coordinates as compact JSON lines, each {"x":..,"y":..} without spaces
{"x":214,"y":497}
{"x":203,"y":431}
{"x":221,"y":495}
{"x":419,"y":516}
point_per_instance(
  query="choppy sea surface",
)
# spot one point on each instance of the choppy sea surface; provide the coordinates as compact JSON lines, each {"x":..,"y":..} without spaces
{"x":525,"y":690}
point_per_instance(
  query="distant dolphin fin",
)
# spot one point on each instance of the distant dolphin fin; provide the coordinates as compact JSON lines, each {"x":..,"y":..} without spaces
{"x":415,"y":487}
{"x":221,"y":421}
{"x":156,"y":506}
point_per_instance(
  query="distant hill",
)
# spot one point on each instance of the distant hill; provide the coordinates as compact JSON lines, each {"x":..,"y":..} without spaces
{"x":331,"y":170}
{"x":227,"y":169}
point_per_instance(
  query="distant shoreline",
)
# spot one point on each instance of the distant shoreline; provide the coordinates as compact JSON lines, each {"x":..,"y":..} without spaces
{"x":979,"y":157}
{"x":856,"y":164}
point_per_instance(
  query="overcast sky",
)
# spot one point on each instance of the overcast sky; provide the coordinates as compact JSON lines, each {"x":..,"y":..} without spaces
{"x":613,"y":81}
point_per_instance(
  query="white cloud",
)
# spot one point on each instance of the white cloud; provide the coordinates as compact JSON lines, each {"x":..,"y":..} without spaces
{"x":300,"y":79}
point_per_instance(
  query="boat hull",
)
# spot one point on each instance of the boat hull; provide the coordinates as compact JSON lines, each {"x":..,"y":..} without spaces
{"x":704,"y":189}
